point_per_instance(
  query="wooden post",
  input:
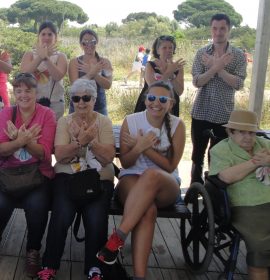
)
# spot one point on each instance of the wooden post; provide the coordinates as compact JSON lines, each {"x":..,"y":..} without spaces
{"x":260,"y":58}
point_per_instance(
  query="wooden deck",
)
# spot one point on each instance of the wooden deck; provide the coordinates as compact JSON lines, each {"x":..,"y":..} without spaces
{"x":166,"y":260}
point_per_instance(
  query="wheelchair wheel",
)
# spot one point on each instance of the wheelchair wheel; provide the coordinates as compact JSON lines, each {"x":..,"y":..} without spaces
{"x":198,"y":232}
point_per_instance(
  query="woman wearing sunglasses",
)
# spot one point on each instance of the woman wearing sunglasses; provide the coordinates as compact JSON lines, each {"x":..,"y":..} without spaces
{"x":49,"y":67}
{"x":151,"y":146}
{"x":164,"y":68}
{"x":83,"y":138}
{"x":91,"y":66}
{"x":27,"y":133}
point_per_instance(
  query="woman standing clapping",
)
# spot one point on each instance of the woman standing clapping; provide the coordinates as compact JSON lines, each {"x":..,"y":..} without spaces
{"x":93,"y":67}
{"x":49,"y":67}
{"x":164,"y":68}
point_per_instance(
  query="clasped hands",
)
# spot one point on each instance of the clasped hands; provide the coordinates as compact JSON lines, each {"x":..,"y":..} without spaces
{"x":44,"y":51}
{"x":142,"y":141}
{"x":217,"y":62}
{"x":23,"y":135}
{"x":93,"y":69}
{"x":170,"y":66}
{"x":84,"y":134}
{"x":261,"y":158}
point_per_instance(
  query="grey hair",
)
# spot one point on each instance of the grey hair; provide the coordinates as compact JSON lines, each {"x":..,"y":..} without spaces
{"x":84,"y":86}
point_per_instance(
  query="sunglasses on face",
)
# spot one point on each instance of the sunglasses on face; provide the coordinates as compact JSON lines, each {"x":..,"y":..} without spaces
{"x":162,"y":99}
{"x":85,"y":98}
{"x":89,"y":43}
{"x":24,"y":75}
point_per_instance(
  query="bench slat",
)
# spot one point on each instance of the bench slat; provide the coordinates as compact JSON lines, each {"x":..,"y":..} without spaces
{"x":178,"y":210}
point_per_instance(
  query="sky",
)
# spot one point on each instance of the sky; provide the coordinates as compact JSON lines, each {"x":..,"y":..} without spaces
{"x":102,"y":12}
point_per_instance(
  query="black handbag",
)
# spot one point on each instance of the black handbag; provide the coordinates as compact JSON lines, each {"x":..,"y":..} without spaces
{"x":17,"y":181}
{"x":84,"y":185}
{"x":45,"y":101}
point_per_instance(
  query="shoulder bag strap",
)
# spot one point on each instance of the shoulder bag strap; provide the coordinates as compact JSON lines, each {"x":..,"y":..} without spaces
{"x":52,"y":90}
{"x":14,"y":114}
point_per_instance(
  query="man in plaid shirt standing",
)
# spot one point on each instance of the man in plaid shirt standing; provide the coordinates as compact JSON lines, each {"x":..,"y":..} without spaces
{"x":218,"y":70}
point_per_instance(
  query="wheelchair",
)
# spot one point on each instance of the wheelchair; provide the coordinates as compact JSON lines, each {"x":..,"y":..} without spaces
{"x":209,"y":231}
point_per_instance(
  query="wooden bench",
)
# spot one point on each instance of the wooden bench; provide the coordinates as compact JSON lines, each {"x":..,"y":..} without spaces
{"x":178,"y":210}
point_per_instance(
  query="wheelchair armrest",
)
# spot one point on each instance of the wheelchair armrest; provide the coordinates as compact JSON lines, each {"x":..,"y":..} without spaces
{"x":217,"y":190}
{"x":216,"y":181}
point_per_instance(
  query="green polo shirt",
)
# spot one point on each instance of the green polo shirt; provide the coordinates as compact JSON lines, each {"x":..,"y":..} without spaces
{"x":249,"y":191}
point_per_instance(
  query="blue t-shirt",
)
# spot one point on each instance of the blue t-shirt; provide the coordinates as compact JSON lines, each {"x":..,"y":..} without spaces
{"x":145,"y":59}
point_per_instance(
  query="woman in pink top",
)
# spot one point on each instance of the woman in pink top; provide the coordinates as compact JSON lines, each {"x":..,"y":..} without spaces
{"x":5,"y":68}
{"x":26,"y":136}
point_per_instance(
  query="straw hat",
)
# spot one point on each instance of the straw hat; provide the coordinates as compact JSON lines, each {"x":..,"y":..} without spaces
{"x":243,"y":120}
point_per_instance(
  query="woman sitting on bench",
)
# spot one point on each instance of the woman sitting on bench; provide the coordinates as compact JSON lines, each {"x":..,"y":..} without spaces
{"x":83,"y":139}
{"x":242,"y":161}
{"x":151,"y":146}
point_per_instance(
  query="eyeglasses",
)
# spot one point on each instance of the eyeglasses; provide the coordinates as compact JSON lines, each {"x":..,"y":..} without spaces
{"x":162,"y":99}
{"x":167,"y":38}
{"x":25,"y":75}
{"x":89,"y":43}
{"x":85,"y":98}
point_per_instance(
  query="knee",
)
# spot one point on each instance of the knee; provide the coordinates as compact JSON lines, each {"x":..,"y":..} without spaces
{"x":153,"y":176}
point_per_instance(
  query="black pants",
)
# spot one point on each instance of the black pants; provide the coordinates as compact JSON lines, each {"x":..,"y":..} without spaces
{"x":95,"y":220}
{"x":201,"y":133}
{"x":36,"y":205}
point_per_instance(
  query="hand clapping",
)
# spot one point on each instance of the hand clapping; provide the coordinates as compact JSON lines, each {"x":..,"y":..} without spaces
{"x":44,"y":51}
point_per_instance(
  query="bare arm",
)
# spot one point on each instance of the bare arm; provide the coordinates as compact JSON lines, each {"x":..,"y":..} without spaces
{"x":167,"y":73}
{"x":5,"y":63}
{"x":26,"y":138}
{"x":57,"y":71}
{"x":65,"y":153}
{"x":130,"y":153}
{"x":104,"y":153}
{"x":92,"y":72}
{"x":73,"y":72}
{"x":237,"y":172}
{"x":169,"y":164}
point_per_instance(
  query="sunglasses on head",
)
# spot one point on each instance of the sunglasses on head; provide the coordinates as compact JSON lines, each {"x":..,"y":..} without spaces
{"x":76,"y":98}
{"x":162,"y":99}
{"x":25,"y":75}
{"x":89,"y":43}
{"x":167,"y":38}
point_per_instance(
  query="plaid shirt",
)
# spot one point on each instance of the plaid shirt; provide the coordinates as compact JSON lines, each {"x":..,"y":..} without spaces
{"x":215,"y":100}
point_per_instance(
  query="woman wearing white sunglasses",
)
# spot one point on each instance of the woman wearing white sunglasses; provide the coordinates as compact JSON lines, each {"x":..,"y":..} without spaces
{"x":151,"y":146}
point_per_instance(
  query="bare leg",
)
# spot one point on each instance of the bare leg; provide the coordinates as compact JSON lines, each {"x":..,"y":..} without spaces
{"x":257,"y":273}
{"x":130,"y":74}
{"x":142,"y":238}
{"x":153,"y":186}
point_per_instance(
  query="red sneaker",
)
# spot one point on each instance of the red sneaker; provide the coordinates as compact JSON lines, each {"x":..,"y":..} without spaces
{"x":108,"y":254}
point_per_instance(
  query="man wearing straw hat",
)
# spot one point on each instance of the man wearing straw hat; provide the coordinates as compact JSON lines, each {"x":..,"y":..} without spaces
{"x":243,"y":162}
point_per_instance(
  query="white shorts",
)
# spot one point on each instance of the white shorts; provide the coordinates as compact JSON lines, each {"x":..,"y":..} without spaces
{"x":136,"y":66}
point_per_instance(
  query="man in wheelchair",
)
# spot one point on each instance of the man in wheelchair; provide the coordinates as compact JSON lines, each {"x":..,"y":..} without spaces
{"x":243,"y":162}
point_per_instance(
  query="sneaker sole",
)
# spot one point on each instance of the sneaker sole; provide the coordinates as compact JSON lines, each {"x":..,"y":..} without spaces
{"x":102,"y":260}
